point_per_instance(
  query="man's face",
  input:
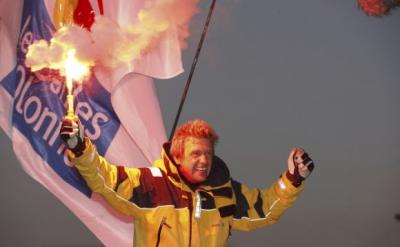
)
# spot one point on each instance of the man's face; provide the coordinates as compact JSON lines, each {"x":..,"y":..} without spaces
{"x":196,"y":162}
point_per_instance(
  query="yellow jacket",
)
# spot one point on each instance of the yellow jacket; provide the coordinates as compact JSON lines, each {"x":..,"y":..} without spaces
{"x":167,"y":212}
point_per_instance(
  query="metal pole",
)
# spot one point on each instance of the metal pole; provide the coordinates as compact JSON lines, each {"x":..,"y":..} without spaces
{"x":189,"y":80}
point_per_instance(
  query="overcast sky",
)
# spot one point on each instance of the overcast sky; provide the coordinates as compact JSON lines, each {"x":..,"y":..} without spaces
{"x":272,"y":75}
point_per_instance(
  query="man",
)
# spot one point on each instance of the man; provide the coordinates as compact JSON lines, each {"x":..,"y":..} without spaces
{"x":187,"y":198}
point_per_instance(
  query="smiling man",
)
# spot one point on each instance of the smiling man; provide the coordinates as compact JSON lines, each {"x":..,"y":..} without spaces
{"x":187,"y":198}
{"x":193,"y":149}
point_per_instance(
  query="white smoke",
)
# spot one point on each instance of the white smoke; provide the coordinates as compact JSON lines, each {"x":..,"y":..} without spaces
{"x":109,"y":44}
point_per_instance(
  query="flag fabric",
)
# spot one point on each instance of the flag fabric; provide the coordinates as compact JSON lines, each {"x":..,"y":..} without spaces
{"x":118,"y":107}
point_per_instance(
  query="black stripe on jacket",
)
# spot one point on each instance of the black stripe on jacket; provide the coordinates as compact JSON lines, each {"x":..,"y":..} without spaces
{"x":242,"y":206}
{"x":258,"y":205}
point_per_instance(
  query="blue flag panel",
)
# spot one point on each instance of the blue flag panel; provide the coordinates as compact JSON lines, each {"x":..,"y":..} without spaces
{"x":39,"y":101}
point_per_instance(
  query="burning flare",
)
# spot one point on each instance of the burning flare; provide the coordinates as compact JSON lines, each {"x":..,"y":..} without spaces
{"x":73,"y":50}
{"x":74,"y":70}
{"x":110,"y":44}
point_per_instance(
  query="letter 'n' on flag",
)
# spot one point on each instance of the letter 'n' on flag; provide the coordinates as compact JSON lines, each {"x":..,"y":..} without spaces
{"x":118,"y":107}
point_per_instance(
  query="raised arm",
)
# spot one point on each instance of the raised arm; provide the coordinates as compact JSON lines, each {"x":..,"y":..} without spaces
{"x":257,"y":208}
{"x":114,"y":183}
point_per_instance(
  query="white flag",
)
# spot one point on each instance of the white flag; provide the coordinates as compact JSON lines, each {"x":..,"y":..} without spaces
{"x":118,"y":107}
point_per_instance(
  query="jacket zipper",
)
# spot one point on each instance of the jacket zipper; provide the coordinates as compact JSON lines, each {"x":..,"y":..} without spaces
{"x":196,"y":213}
{"x":163,"y":222}
{"x":197,"y":208}
{"x":190,"y":217}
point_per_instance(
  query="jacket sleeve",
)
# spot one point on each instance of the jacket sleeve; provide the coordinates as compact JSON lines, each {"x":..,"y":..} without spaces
{"x":114,"y":183}
{"x":257,"y":208}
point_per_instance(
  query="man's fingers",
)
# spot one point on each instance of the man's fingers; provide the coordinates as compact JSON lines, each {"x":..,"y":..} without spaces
{"x":291,"y":155}
{"x":69,"y":130}
{"x":298,"y":154}
{"x":292,"y":152}
{"x":302,"y":157}
{"x":301,"y":160}
{"x":66,"y":131}
{"x":66,"y":127}
{"x":305,"y":156}
{"x":75,"y":124}
{"x":67,"y":122}
{"x":307,"y":167}
{"x":310,"y":167}
{"x":71,"y":134}
{"x":306,"y":161}
{"x":65,"y":134}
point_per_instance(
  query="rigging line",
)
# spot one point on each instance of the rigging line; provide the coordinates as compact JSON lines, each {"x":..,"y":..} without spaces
{"x":189,"y":80}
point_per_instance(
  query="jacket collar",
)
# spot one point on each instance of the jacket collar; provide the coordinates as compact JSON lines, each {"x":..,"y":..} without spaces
{"x":219,"y":174}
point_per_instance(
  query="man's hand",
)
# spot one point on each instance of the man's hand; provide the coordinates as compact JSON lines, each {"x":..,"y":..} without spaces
{"x":71,"y":134}
{"x":300,"y":166}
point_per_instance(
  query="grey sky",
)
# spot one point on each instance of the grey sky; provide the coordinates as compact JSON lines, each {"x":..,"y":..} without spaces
{"x":273,"y":75}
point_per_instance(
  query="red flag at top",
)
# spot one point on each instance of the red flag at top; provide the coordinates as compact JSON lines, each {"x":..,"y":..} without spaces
{"x":84,"y":14}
